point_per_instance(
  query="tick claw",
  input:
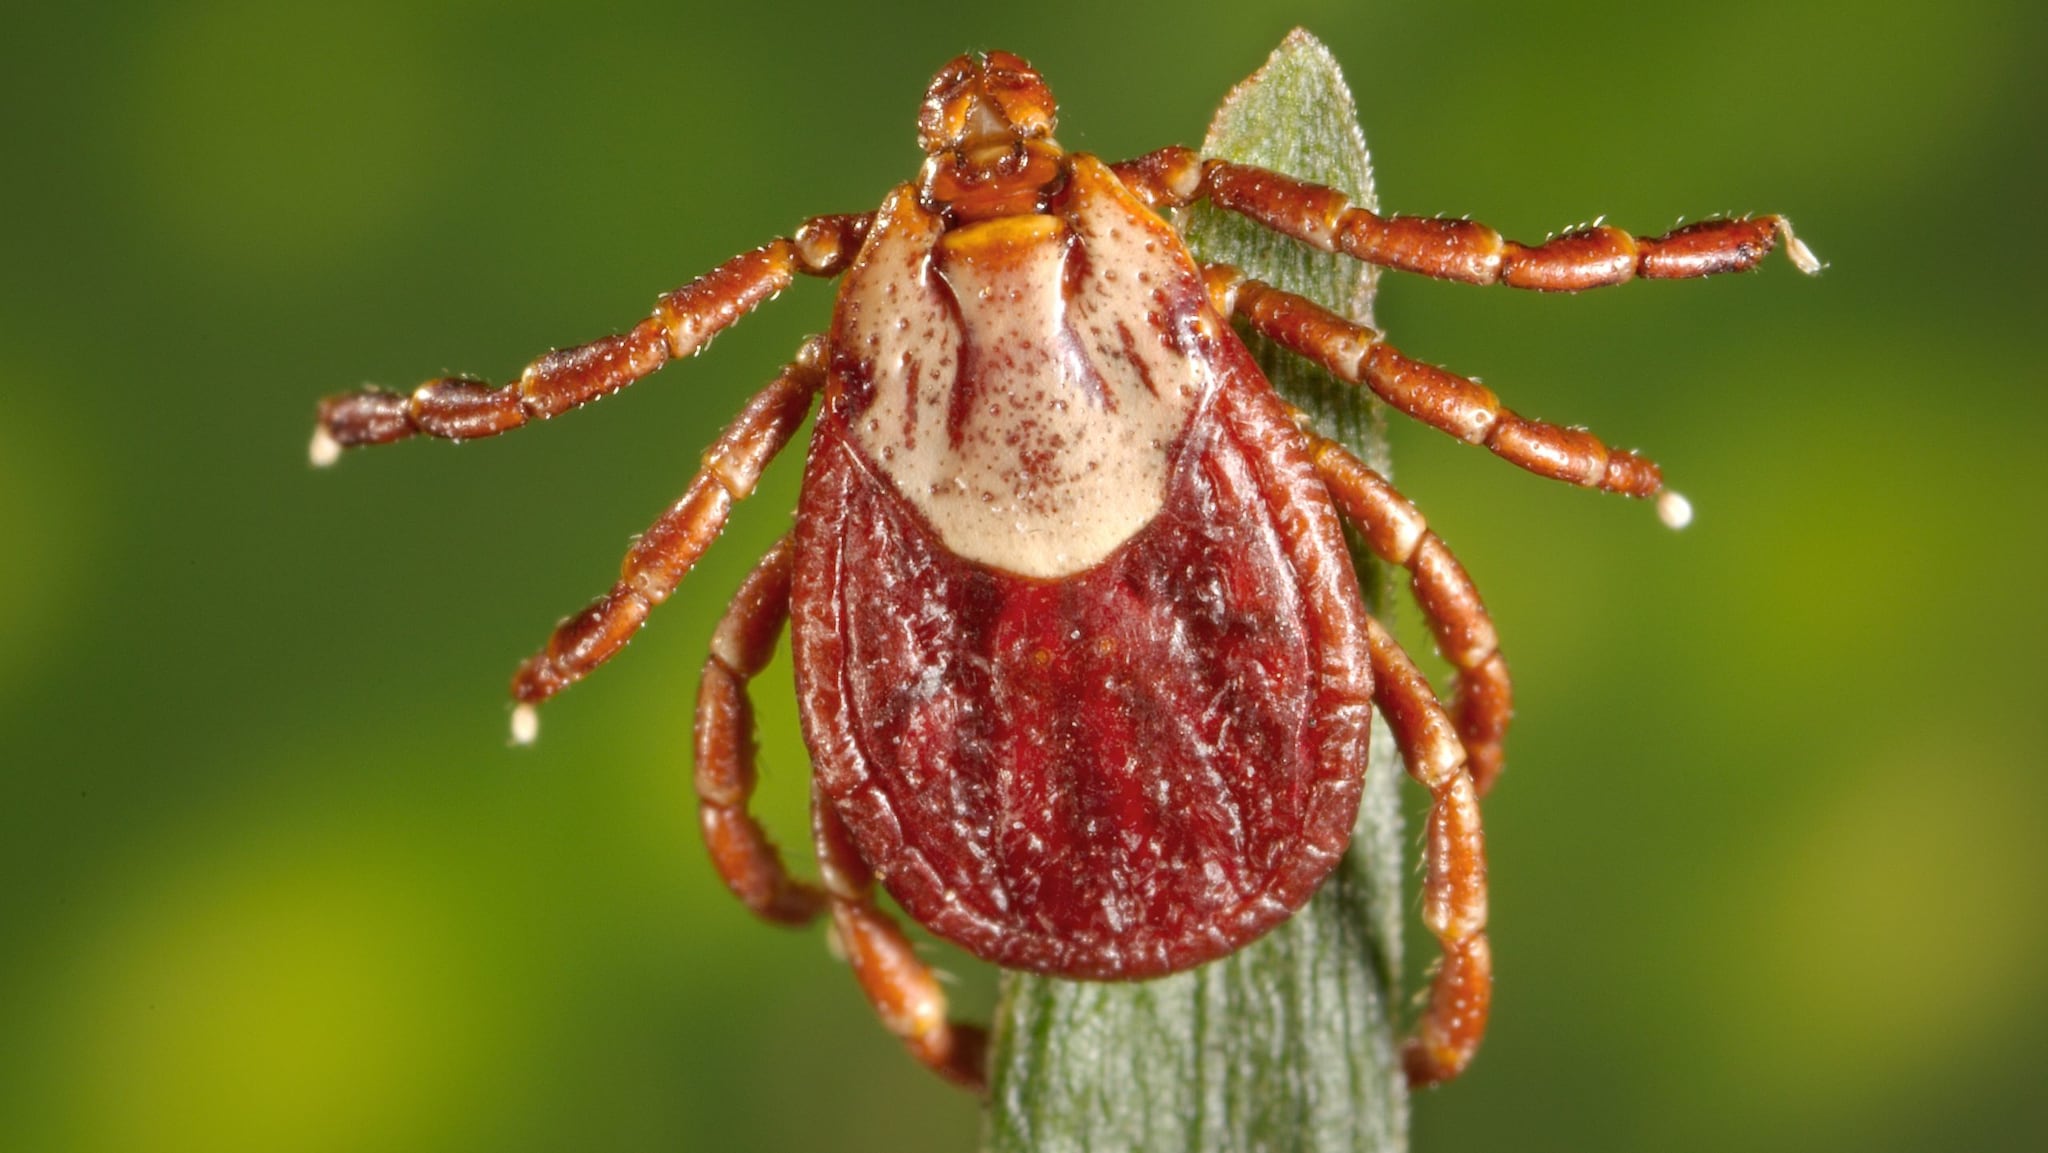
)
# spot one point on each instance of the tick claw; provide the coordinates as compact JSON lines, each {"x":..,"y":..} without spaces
{"x":324,"y":450}
{"x":1674,"y":510}
{"x":525,"y":724}
{"x":1802,"y":257}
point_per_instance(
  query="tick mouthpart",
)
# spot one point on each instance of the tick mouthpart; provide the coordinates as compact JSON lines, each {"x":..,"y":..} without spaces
{"x":985,"y":102}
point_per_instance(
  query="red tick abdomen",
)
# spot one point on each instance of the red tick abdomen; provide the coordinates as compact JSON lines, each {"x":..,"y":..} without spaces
{"x":1120,"y":773}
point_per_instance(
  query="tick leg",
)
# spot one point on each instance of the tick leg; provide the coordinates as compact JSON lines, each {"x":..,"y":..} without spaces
{"x":1459,"y":249}
{"x":667,"y":551}
{"x":1482,"y":701}
{"x":1454,"y":857}
{"x":726,"y":768}
{"x":1463,"y":408}
{"x":684,"y":321}
{"x":902,"y":988}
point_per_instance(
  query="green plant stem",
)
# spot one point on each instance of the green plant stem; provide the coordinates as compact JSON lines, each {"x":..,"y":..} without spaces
{"x":1289,"y":1044}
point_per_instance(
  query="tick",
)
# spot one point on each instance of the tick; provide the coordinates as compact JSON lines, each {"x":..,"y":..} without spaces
{"x":1082,"y":662}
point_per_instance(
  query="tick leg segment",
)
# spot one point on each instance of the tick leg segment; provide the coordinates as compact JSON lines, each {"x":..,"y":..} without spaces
{"x":1463,"y":408}
{"x":1459,"y":249}
{"x":667,"y":551}
{"x":1454,"y":857}
{"x":726,"y":768}
{"x":684,"y":321}
{"x":1482,"y":700}
{"x":903,"y":989}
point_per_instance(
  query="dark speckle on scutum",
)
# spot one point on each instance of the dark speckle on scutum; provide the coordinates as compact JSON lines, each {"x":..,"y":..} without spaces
{"x":913,"y":372}
{"x":1080,"y":371}
{"x":1075,"y":268}
{"x":1137,"y":360}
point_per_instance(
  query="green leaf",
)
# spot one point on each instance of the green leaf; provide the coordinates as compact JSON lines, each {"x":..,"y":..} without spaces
{"x":1290,"y":1044}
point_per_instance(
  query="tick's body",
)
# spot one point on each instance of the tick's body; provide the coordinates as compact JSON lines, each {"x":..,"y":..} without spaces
{"x":1078,"y":645}
{"x":1081,"y":657}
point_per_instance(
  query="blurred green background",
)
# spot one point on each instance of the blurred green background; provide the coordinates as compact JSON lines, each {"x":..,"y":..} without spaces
{"x":1770,"y":864}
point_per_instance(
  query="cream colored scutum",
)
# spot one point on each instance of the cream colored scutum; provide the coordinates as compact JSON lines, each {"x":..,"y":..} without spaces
{"x":1030,"y":421}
